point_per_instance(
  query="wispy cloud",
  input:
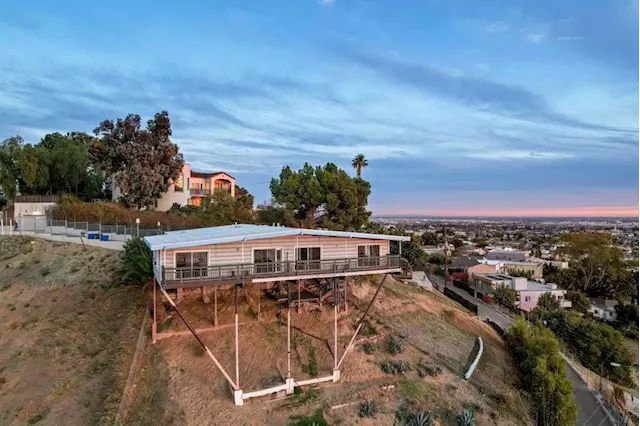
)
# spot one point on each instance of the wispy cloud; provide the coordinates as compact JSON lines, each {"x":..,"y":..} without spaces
{"x":483,"y":94}
{"x":570,"y":38}
{"x":497,"y":27}
{"x":327,"y":2}
{"x":535,"y":37}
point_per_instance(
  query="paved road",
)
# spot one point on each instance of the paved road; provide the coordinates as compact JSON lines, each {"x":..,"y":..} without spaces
{"x":590,"y":413}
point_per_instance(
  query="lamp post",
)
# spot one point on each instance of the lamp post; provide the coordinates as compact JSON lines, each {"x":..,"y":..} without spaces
{"x":138,"y":226}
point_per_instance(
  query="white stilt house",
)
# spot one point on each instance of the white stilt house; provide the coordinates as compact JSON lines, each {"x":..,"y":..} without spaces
{"x":242,"y":255}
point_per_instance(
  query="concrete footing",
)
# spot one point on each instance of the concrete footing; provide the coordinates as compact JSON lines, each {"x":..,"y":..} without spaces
{"x":336,"y":376}
{"x":237,"y":397}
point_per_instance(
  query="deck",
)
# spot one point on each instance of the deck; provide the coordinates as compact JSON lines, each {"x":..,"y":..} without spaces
{"x":172,"y":278}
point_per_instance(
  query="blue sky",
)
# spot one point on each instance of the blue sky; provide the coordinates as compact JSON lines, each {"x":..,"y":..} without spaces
{"x":460,"y":106}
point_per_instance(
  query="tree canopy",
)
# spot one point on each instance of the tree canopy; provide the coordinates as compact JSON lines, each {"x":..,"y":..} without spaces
{"x":505,"y":296}
{"x":143,"y":162}
{"x":548,"y":301}
{"x":58,"y":164}
{"x":324,"y":196}
{"x":537,"y":354}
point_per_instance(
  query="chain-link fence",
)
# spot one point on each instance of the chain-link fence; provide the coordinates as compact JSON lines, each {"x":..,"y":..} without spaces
{"x":89,"y":230}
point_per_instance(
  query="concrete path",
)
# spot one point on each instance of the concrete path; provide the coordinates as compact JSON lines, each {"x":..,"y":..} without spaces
{"x":590,"y":412}
{"x":421,"y":279}
{"x":111,"y":245}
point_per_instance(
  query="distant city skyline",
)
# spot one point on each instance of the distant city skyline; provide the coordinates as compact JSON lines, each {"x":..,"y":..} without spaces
{"x":461,"y":108}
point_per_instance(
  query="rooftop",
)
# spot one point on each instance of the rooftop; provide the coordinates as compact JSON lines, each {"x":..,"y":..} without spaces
{"x":242,"y":232}
{"x":208,"y":175}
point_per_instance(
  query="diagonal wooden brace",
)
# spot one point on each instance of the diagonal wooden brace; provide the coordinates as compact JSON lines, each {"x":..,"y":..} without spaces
{"x":361,"y":322}
{"x":206,"y":349}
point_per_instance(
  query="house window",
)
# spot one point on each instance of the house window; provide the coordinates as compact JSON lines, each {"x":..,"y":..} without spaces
{"x":308,"y":258}
{"x":267,"y":260}
{"x":178,"y":184}
{"x":610,"y":314}
{"x":191,"y":265}
{"x":527,"y":298}
{"x":368,"y":255}
{"x":595,"y":311}
{"x":559,"y":297}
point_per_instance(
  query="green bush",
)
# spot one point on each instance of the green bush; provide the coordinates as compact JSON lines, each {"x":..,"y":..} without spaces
{"x":425,"y":369}
{"x":367,"y":329}
{"x":137,"y":263}
{"x":369,"y":348}
{"x":45,"y":271}
{"x":394,"y":345}
{"x":395,"y":367}
{"x":368,"y":408}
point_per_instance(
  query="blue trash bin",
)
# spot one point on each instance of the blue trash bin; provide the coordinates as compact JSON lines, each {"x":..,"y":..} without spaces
{"x":92,"y":236}
{"x":104,"y":237}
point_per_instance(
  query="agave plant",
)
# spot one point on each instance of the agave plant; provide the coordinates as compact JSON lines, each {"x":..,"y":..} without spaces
{"x":420,"y":418}
{"x":368,"y":408}
{"x":467,"y":418}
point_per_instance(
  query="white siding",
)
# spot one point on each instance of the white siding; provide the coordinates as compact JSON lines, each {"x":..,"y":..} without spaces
{"x":232,"y":253}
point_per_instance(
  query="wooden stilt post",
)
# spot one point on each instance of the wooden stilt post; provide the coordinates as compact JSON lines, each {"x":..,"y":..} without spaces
{"x":288,"y":331}
{"x":346,"y":284}
{"x":335,"y":336}
{"x":154,"y":328}
{"x":237,"y":353}
{"x":259,"y":291}
{"x":298,"y":295}
{"x":215,"y":306}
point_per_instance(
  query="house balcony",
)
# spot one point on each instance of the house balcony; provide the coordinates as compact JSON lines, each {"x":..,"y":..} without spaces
{"x":172,"y":278}
{"x":566,"y":304}
{"x":203,"y":192}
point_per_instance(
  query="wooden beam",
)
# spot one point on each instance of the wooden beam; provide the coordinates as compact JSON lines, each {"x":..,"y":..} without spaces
{"x":361,"y":321}
{"x":206,"y":349}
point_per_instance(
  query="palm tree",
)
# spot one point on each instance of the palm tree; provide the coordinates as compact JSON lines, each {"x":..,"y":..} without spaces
{"x":358,"y":163}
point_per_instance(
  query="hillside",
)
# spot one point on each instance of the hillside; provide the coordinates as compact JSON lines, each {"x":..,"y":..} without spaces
{"x":180,"y":385}
{"x":68,"y":340}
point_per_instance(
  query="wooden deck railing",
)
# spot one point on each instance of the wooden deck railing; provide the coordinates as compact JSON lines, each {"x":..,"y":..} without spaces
{"x":247,"y":271}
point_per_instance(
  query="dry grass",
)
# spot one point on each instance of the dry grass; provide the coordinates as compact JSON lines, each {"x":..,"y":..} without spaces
{"x":65,"y":356}
{"x":183,"y":387}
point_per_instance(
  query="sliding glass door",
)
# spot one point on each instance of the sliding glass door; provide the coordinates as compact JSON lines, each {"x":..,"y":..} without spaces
{"x":267,"y":260}
{"x":191,"y":265}
{"x":368,"y":255}
{"x":308,"y":259}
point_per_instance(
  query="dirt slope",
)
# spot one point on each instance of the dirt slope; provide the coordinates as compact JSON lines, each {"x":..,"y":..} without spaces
{"x":66,"y":342}
{"x":181,"y":386}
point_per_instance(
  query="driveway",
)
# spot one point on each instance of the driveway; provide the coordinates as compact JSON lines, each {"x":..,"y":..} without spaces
{"x":590,"y":412}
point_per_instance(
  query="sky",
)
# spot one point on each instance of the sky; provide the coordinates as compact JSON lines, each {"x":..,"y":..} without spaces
{"x":461,"y":107}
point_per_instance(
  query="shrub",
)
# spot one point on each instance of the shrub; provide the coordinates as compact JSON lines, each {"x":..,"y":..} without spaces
{"x":367,"y":329}
{"x":136,"y":258}
{"x":395,"y":367}
{"x":419,"y":418}
{"x":45,"y":271}
{"x":467,"y":418}
{"x":369,"y":348}
{"x":368,"y":409}
{"x":425,"y":369}
{"x":394,"y":345}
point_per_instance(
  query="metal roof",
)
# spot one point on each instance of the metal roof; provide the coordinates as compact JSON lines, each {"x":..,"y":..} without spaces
{"x":235,"y":233}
